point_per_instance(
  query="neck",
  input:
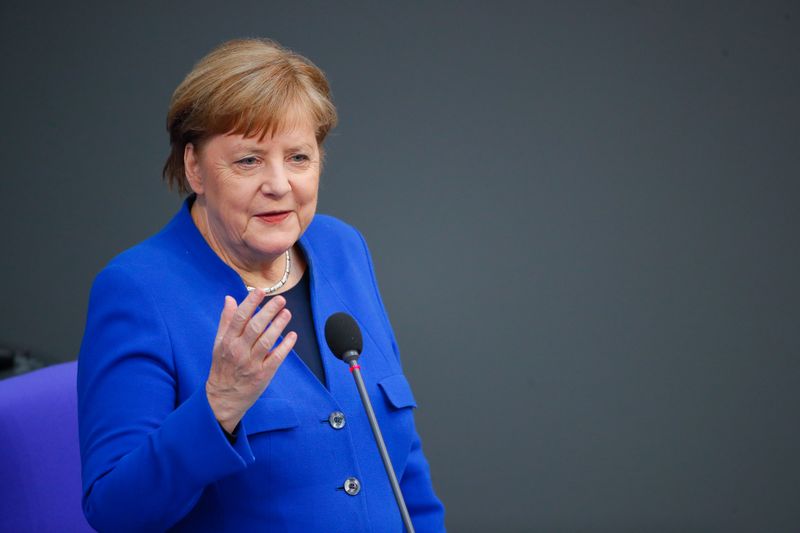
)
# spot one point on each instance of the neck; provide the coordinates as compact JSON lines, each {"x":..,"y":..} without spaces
{"x":261,"y":272}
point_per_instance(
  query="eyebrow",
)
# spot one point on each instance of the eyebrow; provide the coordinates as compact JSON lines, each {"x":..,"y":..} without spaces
{"x":257,"y":150}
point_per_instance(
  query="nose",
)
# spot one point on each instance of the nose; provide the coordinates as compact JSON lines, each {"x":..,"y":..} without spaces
{"x":275,"y":180}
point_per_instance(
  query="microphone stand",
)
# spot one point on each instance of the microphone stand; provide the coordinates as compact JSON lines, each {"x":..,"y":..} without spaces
{"x":351,"y":357}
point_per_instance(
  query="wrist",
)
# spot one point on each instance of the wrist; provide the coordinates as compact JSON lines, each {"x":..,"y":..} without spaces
{"x":230,"y":435}
{"x":227,"y":416}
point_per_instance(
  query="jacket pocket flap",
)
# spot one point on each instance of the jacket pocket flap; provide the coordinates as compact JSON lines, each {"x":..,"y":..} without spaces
{"x":397,"y":391}
{"x":269,"y":414}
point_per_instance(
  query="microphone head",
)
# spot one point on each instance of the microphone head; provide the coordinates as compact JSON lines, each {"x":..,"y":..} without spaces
{"x":343,"y":335}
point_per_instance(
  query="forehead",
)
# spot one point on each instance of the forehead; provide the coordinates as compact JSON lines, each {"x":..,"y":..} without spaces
{"x":301,"y":135}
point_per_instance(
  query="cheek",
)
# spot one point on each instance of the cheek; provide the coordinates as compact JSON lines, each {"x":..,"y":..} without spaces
{"x":307,"y":200}
{"x":229,"y":203}
{"x":232,"y":194}
{"x":307,"y":191}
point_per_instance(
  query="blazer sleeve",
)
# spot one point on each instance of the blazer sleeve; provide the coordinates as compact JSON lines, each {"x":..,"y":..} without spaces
{"x":145,"y":459}
{"x":425,"y":508}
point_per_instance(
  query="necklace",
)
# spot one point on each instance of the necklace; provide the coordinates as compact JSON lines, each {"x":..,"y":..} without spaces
{"x":282,"y":281}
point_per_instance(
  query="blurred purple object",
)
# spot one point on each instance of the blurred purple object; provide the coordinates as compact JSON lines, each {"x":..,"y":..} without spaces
{"x":40,"y":467}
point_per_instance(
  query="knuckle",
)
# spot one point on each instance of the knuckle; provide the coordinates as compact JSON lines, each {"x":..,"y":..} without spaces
{"x":282,"y":350}
{"x":277,"y":357}
{"x":283,"y":317}
{"x":235,"y":348}
{"x":254,"y":327}
{"x":279,"y":322}
{"x":271,"y":363}
{"x":265,"y":342}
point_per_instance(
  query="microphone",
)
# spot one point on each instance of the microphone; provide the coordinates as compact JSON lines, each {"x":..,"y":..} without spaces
{"x":344,"y":339}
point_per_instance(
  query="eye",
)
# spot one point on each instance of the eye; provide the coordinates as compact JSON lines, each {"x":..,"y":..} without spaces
{"x":299,"y":158}
{"x":248,"y":162}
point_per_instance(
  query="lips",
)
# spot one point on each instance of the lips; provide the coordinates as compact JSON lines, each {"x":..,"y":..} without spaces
{"x":273,"y":217}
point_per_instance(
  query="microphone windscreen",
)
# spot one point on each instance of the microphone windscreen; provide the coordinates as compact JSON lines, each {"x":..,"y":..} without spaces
{"x":342,"y":334}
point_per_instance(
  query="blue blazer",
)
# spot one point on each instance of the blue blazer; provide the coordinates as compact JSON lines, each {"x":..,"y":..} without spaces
{"x":155,"y":458}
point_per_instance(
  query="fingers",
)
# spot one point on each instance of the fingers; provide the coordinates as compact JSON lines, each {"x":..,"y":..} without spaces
{"x":253,"y":335}
{"x":225,"y":318}
{"x":273,"y":311}
{"x":244,"y":312}
{"x":243,"y":361}
{"x":274,"y":358}
{"x":267,"y":339}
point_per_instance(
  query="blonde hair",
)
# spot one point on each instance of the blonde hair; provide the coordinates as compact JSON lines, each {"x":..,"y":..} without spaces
{"x":249,"y":87}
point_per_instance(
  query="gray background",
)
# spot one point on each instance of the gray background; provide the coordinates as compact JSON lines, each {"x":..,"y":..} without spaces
{"x":583,"y":217}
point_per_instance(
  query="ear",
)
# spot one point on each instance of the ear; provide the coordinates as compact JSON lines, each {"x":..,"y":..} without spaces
{"x":191,"y":165}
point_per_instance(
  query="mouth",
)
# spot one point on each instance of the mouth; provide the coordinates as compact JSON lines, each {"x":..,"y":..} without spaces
{"x":273,"y":217}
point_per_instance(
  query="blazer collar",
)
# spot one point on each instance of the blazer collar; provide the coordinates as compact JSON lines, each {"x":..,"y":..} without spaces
{"x":325,"y":300}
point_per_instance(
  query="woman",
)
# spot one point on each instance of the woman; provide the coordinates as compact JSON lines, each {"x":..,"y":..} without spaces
{"x":192,"y":420}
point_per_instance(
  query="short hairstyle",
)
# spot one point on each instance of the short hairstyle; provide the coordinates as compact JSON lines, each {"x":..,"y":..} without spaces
{"x":248,"y":87}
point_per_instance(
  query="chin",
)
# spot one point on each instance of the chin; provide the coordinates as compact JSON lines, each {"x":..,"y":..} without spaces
{"x":274,"y":247}
{"x":270,"y":236}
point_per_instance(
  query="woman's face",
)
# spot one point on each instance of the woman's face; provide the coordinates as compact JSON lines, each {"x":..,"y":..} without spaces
{"x":258,"y":196}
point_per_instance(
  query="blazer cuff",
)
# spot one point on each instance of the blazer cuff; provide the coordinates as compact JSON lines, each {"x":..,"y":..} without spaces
{"x":214,"y":457}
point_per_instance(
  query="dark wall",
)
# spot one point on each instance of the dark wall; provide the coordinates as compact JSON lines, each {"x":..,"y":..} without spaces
{"x":583,"y":215}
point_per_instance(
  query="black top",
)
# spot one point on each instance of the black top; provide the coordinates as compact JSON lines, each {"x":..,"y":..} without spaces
{"x":298,"y":301}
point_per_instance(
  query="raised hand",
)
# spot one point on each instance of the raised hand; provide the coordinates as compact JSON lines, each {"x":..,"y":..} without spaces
{"x":244,"y":359}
